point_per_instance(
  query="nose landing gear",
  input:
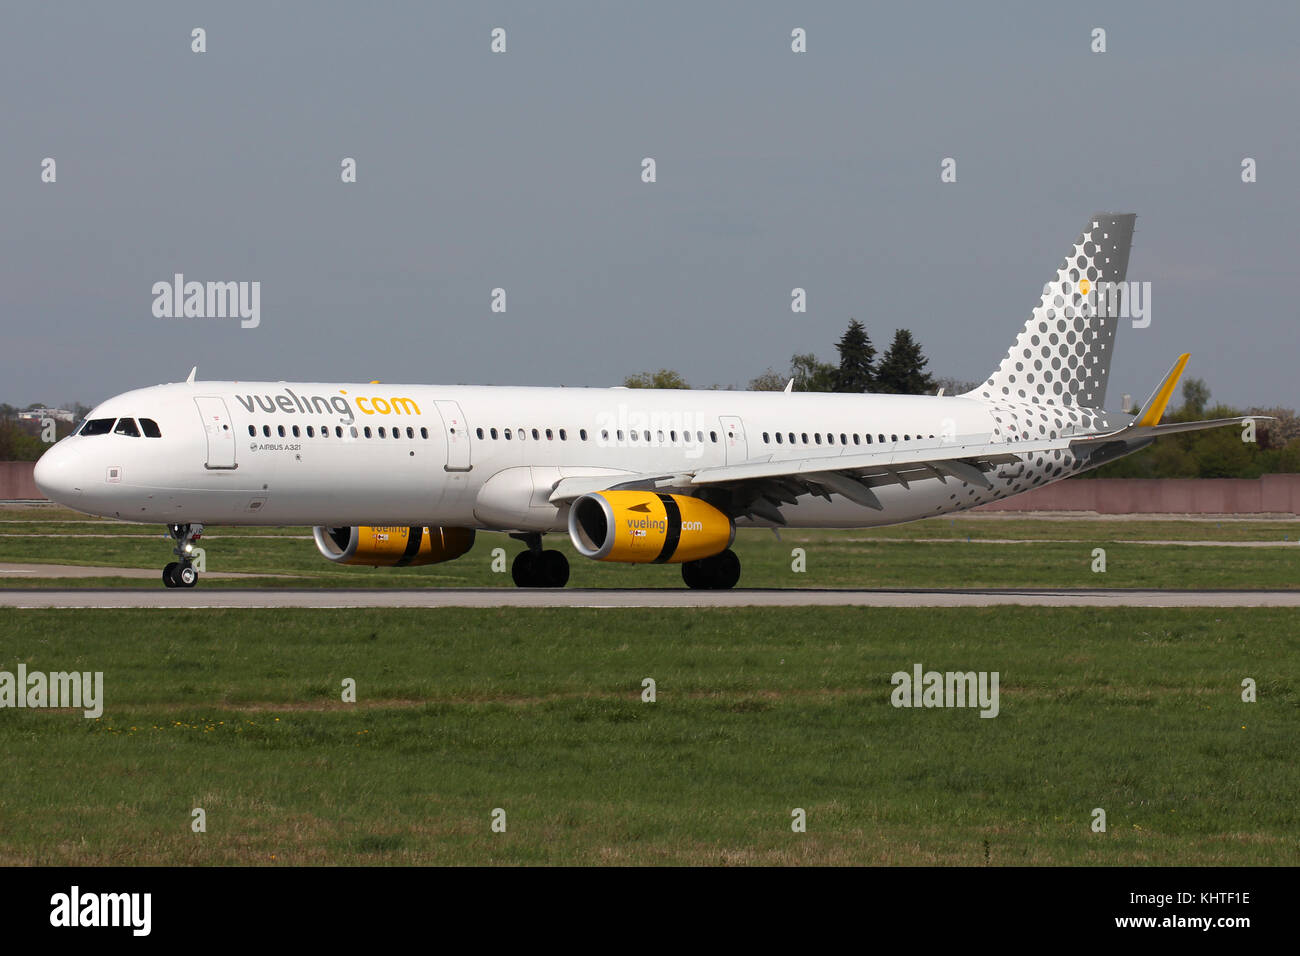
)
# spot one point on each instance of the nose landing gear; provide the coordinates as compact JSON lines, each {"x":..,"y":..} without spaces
{"x":181,"y":574}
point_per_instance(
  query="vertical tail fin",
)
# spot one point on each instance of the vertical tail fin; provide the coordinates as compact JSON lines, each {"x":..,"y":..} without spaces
{"x":1062,"y":356}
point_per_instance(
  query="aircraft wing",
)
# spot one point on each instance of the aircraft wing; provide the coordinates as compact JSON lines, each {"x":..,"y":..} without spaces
{"x":759,"y":488}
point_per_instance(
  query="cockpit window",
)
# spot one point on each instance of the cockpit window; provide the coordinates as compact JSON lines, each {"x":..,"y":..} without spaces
{"x":126,"y":426}
{"x":97,"y":426}
{"x":150,"y":428}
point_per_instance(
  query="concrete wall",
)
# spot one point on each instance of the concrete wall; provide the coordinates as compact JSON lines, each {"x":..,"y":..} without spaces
{"x":16,"y":480}
{"x":1272,"y":494}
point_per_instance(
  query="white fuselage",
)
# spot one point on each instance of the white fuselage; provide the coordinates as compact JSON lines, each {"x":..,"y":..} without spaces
{"x":274,"y":453}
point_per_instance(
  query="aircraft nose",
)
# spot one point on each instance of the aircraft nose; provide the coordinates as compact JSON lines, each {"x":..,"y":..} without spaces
{"x":55,"y":475}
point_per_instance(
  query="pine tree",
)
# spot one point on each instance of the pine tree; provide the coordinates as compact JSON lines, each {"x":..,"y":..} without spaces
{"x":856,"y":372}
{"x":902,"y":370}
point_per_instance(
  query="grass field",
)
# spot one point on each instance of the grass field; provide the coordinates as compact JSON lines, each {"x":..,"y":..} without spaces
{"x":539,"y":712}
{"x":988,"y":550}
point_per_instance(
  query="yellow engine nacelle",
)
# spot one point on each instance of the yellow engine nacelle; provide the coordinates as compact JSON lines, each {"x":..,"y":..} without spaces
{"x":642,"y":527}
{"x":393,"y":547}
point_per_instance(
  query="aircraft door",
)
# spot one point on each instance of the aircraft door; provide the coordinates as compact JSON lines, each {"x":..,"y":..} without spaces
{"x":220,"y":434}
{"x":457,"y":432}
{"x":733,"y":437}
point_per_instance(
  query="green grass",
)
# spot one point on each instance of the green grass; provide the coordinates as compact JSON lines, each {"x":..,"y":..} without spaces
{"x":758,"y":712}
{"x":931,"y":554}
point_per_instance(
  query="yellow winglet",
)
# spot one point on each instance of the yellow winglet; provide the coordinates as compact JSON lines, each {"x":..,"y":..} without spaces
{"x":1159,"y":400}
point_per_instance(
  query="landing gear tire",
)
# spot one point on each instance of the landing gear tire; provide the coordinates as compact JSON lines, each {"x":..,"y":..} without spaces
{"x":541,"y":569}
{"x":554,"y":568}
{"x":720,"y":572}
{"x":181,"y":574}
{"x":523,"y":569}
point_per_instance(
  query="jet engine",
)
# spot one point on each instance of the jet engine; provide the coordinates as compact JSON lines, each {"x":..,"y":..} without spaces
{"x":642,"y":527}
{"x":393,"y":547}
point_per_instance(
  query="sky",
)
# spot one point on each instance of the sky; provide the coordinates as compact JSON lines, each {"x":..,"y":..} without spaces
{"x":522,"y":171}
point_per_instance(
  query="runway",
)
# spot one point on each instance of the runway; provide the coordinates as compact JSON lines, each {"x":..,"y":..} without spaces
{"x":204,"y":597}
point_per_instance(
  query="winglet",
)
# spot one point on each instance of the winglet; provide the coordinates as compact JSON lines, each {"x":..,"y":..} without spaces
{"x":190,"y":379}
{"x":1155,"y":406}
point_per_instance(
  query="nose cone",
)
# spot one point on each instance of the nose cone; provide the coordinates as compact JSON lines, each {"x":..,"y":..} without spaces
{"x":55,"y":475}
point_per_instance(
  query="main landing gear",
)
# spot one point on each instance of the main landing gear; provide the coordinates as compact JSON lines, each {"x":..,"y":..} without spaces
{"x":181,"y":574}
{"x":535,"y":568}
{"x":717,"y":573}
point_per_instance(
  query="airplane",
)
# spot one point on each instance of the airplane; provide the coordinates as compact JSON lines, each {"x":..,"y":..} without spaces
{"x":403,"y":475}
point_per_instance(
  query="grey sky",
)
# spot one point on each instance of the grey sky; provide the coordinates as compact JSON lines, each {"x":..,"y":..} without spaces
{"x":522,"y":170}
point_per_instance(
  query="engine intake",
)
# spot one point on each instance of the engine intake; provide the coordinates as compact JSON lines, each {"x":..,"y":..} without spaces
{"x":642,"y":527}
{"x":393,"y":547}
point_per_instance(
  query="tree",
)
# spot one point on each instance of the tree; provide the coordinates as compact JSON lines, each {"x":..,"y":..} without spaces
{"x":902,"y":370}
{"x":955,"y":386}
{"x":664,"y":378}
{"x":857,"y":355}
{"x":1196,"y":395}
{"x":769,"y":381}
{"x":810,"y":375}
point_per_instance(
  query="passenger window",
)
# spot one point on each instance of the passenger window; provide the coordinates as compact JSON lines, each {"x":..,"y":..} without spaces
{"x":507,"y":434}
{"x":778,"y":438}
{"x":338,"y":431}
{"x":857,"y":439}
{"x":582,"y":433}
{"x":477,"y":431}
{"x":150,"y":428}
{"x":493,"y":433}
{"x":366,"y":431}
{"x":353,"y":429}
{"x":522,"y":433}
{"x":868,"y":439}
{"x":619,"y":434}
{"x":563,"y":436}
{"x":631,"y":434}
{"x":536,"y":436}
{"x":252,"y":431}
{"x":126,"y":426}
{"x":817,"y":437}
{"x":311,"y":432}
{"x":804,"y":436}
{"x":699,"y":438}
{"x":893,"y":438}
{"x":410,"y":432}
{"x":296,"y":433}
{"x":647,"y":434}
{"x":266,"y":431}
{"x":844,"y":439}
{"x":765,"y":441}
{"x":549,"y":435}
{"x":713,"y":437}
{"x":661,"y":437}
{"x":280,"y":430}
{"x":882,"y":439}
